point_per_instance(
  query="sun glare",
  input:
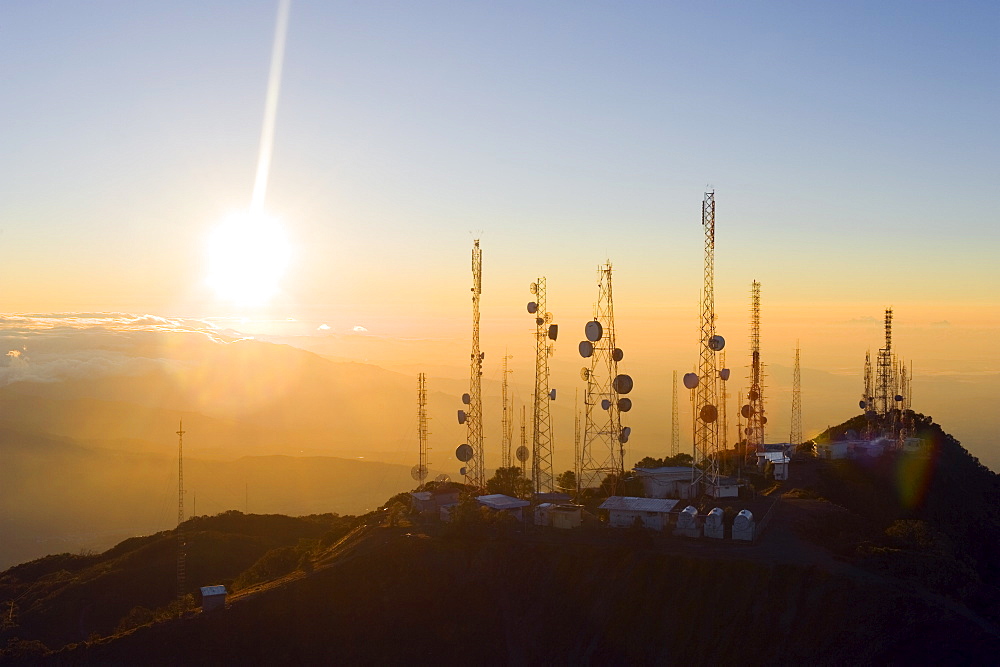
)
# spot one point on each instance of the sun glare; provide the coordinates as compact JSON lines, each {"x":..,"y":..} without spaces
{"x":248,"y":254}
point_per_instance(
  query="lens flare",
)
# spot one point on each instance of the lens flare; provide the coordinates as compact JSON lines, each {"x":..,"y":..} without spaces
{"x":248,"y":254}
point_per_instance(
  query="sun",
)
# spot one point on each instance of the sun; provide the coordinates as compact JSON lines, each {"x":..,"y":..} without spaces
{"x":248,"y":254}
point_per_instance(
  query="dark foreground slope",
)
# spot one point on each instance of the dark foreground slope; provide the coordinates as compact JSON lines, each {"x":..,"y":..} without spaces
{"x":414,"y":599}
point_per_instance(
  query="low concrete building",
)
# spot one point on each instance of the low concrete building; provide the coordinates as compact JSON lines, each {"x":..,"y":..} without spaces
{"x":212,"y":598}
{"x":623,"y":511}
{"x":724,"y":487}
{"x":666,"y":482}
{"x":780,"y":461}
{"x":566,"y":517}
{"x":502,"y":503}
{"x":543,"y":515}
{"x":433,"y":500}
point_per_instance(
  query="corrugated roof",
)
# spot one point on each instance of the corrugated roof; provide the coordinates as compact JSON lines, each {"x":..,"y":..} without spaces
{"x":632,"y":504}
{"x":421,"y":495}
{"x":212,"y":590}
{"x":499,"y":501}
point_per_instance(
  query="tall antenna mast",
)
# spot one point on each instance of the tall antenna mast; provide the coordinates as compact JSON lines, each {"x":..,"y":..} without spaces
{"x":885,"y":385}
{"x":507,"y":418}
{"x":541,"y":440}
{"x":754,"y":409}
{"x":604,"y":438}
{"x":471,"y":453}
{"x":795,"y":437}
{"x":181,"y":538}
{"x":706,"y":436}
{"x":675,"y":422}
{"x":523,"y":453}
{"x":419,"y":472}
{"x":723,"y":399}
{"x":576,"y":439}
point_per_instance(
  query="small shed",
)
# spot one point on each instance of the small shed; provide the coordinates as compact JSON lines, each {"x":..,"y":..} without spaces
{"x":213,"y":597}
{"x":433,"y":500}
{"x":666,"y":482}
{"x":652,"y":512}
{"x":543,"y":516}
{"x":566,"y":516}
{"x":502,"y":503}
{"x":724,"y":487}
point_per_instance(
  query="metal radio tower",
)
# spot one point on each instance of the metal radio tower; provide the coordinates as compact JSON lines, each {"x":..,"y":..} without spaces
{"x":507,"y":418}
{"x":419,"y":472}
{"x":523,"y":453}
{"x":474,"y":422}
{"x":795,"y":436}
{"x":723,"y":399}
{"x":576,"y":439}
{"x":603,"y":448}
{"x":885,"y":385}
{"x":675,"y":423}
{"x":753,"y":411}
{"x":181,"y":538}
{"x":706,"y":435}
{"x":541,"y":440}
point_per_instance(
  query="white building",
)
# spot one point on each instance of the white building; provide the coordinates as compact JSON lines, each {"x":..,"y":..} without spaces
{"x":562,"y":516}
{"x":651,"y":512}
{"x":780,"y":461}
{"x":502,"y":503}
{"x":666,"y":482}
{"x":213,"y":597}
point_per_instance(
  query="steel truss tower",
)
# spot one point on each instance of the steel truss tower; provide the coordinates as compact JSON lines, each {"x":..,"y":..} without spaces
{"x":507,"y":421}
{"x":420,"y":471}
{"x":474,"y":422}
{"x":753,"y":411}
{"x":706,"y":398}
{"x":795,"y":435}
{"x":541,"y":439}
{"x":885,"y":386}
{"x":675,"y":422}
{"x":603,"y":448}
{"x":181,"y":537}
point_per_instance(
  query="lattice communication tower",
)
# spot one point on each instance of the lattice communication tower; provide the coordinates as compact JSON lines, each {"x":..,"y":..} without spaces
{"x":675,"y":422}
{"x":706,"y":397}
{"x":420,"y":471}
{"x":541,"y":439}
{"x":795,"y":435}
{"x":507,"y":417}
{"x":602,"y":452}
{"x":753,"y":410}
{"x":181,"y":537}
{"x":471,"y":453}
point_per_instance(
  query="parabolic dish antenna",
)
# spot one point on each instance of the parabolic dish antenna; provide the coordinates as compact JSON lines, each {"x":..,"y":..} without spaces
{"x":724,"y":374}
{"x":522,"y":454}
{"x":553,"y":331}
{"x":861,"y":404}
{"x":605,"y":404}
{"x":466,"y":399}
{"x":594,"y":331}
{"x":753,"y":395}
{"x":584,"y":373}
{"x":623,"y":436}
{"x":539,"y":321}
{"x":624,"y":404}
{"x":418,"y":472}
{"x":709,"y":413}
{"x":690,"y":380}
{"x":463,"y":471}
{"x":586,"y":348}
{"x":532,"y":307}
{"x":552,"y":394}
{"x":548,"y":317}
{"x":617,"y":354}
{"x":533,"y":288}
{"x":746,"y":411}
{"x":763,"y":420}
{"x":623,"y":384}
{"x":899,"y":397}
{"x":464,"y":453}
{"x":716,"y":343}
{"x":462,"y":416}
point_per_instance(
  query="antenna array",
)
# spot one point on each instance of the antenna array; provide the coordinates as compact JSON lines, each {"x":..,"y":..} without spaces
{"x":471,"y":453}
{"x":507,"y":418}
{"x":753,"y":410}
{"x":420,"y":471}
{"x":603,"y":447}
{"x":541,"y":441}
{"x":795,"y":436}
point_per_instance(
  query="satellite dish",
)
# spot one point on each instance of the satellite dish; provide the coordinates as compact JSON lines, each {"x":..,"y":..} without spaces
{"x":899,"y":397}
{"x":584,"y":373}
{"x":442,"y":478}
{"x":753,"y":395}
{"x":605,"y":404}
{"x":861,"y":404}
{"x":624,"y":404}
{"x":594,"y":331}
{"x":418,"y":472}
{"x":623,"y":436}
{"x":724,"y":374}
{"x":522,"y":454}
{"x":763,"y":420}
{"x":539,"y":321}
{"x":464,"y":453}
{"x":553,"y":331}
{"x":617,"y":354}
{"x":746,"y":411}
{"x":533,"y":288}
{"x":709,"y":413}
{"x":552,"y":395}
{"x":532,"y":307}
{"x":690,"y":380}
{"x":548,"y":317}
{"x":482,"y":355}
{"x":586,"y":348}
{"x":466,"y":399}
{"x":463,"y":471}
{"x":462,"y":416}
{"x":716,"y":343}
{"x":623,"y":384}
